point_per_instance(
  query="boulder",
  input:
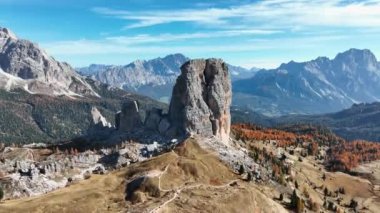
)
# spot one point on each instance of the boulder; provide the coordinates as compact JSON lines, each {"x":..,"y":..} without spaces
{"x":201,"y":99}
{"x":163,"y":126}
{"x":129,"y":118}
{"x":153,"y":119}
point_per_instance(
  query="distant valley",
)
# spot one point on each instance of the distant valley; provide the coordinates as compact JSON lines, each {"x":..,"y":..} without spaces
{"x":360,"y":121}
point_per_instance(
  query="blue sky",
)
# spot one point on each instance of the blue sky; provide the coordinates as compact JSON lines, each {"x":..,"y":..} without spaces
{"x":246,"y":33}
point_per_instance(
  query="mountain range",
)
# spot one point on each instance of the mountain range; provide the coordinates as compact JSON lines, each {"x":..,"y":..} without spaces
{"x":154,"y":78}
{"x":319,"y":86}
{"x":41,"y":95}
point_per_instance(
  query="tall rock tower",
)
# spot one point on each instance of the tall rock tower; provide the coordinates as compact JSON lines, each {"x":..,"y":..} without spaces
{"x":201,"y":99}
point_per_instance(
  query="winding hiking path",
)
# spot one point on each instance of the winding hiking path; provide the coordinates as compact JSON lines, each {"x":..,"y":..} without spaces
{"x":178,"y":191}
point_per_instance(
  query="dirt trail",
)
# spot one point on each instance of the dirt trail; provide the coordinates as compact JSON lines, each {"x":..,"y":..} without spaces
{"x":178,"y":191}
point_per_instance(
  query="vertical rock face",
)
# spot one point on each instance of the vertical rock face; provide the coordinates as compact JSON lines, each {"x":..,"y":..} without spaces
{"x":129,"y":118}
{"x":153,"y":118}
{"x":201,"y":99}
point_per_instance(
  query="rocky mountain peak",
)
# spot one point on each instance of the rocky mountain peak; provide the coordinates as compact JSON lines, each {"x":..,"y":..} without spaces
{"x":42,"y":73}
{"x":5,"y":33}
{"x":177,"y":58}
{"x":357,"y":56}
{"x":201,"y":99}
{"x":356,"y":53}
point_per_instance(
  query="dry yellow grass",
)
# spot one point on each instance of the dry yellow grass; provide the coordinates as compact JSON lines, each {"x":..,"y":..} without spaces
{"x":190,"y":179}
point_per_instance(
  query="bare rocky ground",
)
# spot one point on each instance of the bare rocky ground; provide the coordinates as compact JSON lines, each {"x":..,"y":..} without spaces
{"x":234,"y":155}
{"x":26,"y":171}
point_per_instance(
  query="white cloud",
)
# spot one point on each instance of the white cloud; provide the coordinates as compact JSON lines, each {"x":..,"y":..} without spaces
{"x":168,"y":37}
{"x":295,"y":28}
{"x":270,"y":13}
{"x":150,"y":18}
{"x":125,"y":44}
{"x":134,"y":44}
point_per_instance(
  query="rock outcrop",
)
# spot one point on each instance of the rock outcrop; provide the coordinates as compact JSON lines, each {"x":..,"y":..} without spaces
{"x":201,"y":100}
{"x":128,"y":119}
{"x":157,"y":121}
{"x":153,"y":119}
{"x":200,"y":105}
{"x":100,"y":128}
{"x":98,"y":118}
{"x":26,"y":173}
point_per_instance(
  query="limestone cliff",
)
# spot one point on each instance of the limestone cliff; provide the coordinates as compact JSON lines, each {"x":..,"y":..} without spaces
{"x":201,"y":99}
